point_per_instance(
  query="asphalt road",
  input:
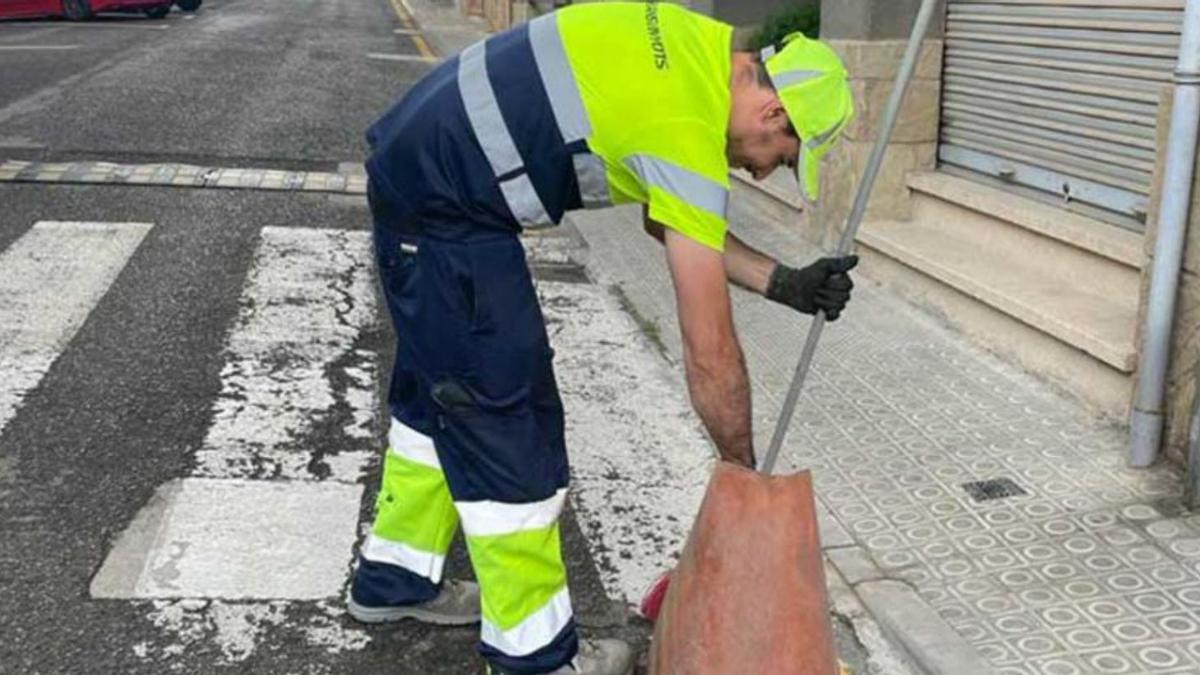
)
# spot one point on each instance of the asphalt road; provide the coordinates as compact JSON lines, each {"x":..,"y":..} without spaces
{"x":244,"y":83}
{"x":270,"y":84}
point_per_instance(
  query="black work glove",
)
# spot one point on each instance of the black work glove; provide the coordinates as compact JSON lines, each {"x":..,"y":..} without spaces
{"x":823,"y":285}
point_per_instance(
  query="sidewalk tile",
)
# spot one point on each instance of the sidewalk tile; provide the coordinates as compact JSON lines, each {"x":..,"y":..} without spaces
{"x":1077,"y":575}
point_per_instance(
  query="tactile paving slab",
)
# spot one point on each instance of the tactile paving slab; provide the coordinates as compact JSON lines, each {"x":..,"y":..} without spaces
{"x":1092,"y":570}
{"x":180,"y":175}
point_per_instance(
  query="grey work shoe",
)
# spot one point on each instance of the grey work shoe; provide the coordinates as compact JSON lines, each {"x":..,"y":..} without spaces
{"x":456,"y":605}
{"x":600,"y":657}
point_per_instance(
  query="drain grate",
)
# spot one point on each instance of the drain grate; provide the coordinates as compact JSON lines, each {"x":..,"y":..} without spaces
{"x":995,"y":488}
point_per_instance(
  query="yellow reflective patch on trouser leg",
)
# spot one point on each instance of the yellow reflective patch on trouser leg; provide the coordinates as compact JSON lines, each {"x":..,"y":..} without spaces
{"x":519,"y":574}
{"x":414,"y":507}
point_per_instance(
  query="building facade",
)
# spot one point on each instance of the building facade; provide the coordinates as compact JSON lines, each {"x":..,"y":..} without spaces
{"x":1019,"y":196}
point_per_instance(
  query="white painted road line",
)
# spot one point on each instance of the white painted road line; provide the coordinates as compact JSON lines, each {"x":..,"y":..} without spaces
{"x":37,"y":48}
{"x":50,"y":280}
{"x":235,"y":539}
{"x":292,"y":361}
{"x":408,"y":58}
{"x":94,"y":25}
{"x":640,"y":461}
{"x":292,"y":365}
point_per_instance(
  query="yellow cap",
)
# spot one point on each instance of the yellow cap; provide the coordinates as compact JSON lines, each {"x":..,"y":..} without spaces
{"x":813,"y":85}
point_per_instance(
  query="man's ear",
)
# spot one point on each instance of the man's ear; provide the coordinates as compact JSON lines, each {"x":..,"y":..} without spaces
{"x":774,"y":116}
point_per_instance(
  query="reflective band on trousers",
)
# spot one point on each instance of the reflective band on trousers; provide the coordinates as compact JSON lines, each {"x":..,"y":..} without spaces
{"x":415,"y":519}
{"x":424,"y":563}
{"x":412,"y":445}
{"x":488,"y":518}
{"x":534,"y":632}
{"x":479,"y":100}
{"x":699,"y":191}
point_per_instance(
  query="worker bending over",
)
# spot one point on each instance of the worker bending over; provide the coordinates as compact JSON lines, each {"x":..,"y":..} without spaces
{"x":590,"y":106}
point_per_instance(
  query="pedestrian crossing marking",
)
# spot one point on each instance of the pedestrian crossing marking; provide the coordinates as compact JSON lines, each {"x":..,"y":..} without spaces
{"x":50,"y":280}
{"x":263,"y":520}
{"x":639,"y":459}
{"x":265,"y":515}
{"x":236,"y":540}
{"x":309,"y":297}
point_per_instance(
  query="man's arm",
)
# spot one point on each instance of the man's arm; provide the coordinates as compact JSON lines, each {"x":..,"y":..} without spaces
{"x":747,"y":267}
{"x":744,"y":265}
{"x":715,"y":367}
{"x":824,"y":285}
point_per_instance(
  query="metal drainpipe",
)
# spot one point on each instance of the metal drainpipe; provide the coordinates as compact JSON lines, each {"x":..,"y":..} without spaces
{"x":1146,"y":424}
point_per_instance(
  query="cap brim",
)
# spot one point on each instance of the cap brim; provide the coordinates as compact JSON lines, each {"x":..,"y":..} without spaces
{"x":808,"y":171}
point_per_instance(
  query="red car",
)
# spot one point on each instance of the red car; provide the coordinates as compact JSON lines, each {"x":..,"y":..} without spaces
{"x":77,"y":10}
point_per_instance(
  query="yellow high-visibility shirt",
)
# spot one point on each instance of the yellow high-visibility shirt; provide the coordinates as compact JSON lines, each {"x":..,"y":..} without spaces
{"x":654,"y":79}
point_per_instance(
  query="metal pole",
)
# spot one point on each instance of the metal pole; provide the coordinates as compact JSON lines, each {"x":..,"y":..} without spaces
{"x":1146,"y":422}
{"x":846,"y":244}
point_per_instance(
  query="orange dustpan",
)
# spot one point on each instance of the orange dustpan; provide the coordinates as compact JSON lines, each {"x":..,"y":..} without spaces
{"x":748,"y":594}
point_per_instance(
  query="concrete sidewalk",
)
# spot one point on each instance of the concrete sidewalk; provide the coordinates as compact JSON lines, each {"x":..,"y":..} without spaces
{"x":1092,"y":568}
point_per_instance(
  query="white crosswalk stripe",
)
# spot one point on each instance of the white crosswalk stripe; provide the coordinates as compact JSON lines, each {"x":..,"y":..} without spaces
{"x":639,"y":460}
{"x":266,"y":517}
{"x":307,"y":299}
{"x":47,"y":290}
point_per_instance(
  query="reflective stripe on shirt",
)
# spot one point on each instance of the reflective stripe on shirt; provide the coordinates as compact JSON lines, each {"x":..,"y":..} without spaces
{"x":558,"y":79}
{"x":689,"y":186}
{"x":479,"y":99}
{"x":569,"y":112}
{"x":523,"y":201}
{"x":592,"y":176}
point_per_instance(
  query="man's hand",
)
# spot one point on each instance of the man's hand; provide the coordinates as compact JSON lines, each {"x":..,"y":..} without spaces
{"x":824,"y":285}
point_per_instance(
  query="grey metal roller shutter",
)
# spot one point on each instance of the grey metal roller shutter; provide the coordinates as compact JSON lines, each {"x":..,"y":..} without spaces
{"x":1059,"y":97}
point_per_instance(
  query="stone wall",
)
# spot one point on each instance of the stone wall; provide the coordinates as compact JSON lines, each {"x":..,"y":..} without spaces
{"x":1185,"y":340}
{"x":871,"y":36}
{"x":913,"y":145}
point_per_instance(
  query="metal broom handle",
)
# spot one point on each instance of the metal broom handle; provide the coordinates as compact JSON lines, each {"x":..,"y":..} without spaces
{"x":903,"y":76}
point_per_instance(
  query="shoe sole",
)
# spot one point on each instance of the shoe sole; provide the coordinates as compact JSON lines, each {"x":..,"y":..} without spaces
{"x":364,"y":614}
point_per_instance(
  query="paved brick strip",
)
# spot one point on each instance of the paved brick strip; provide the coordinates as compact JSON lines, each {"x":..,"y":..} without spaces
{"x":180,"y":175}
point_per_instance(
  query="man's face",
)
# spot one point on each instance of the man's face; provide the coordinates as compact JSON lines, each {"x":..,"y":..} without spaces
{"x":759,"y":140}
